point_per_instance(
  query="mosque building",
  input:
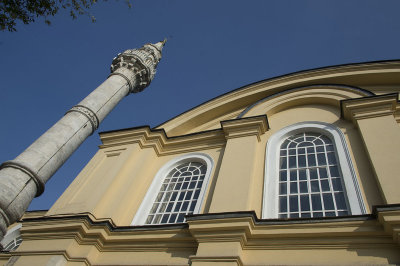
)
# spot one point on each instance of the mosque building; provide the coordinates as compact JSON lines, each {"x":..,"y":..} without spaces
{"x":300,"y":169}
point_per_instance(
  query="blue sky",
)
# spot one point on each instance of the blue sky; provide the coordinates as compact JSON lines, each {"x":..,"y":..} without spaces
{"x":213,"y":47}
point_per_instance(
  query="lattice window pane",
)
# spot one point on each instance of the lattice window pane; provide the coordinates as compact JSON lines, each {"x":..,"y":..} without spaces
{"x":310,"y":182}
{"x":178,"y":194}
{"x":14,"y":244}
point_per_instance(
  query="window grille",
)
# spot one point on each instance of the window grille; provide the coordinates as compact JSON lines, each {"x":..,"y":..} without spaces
{"x":179,"y":194}
{"x":310,"y":180}
{"x":13,"y":244}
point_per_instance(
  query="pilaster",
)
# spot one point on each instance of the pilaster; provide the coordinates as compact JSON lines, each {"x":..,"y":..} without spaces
{"x":236,"y":176}
{"x":221,"y":240}
{"x":389,"y":217}
{"x":375,"y":119}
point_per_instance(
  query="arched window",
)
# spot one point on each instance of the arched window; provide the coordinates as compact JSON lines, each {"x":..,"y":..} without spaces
{"x":12,"y":240}
{"x":177,"y":190}
{"x":309,"y":174}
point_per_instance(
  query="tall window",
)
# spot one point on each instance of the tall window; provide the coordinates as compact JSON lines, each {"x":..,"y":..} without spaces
{"x":310,"y":182}
{"x":178,"y":194}
{"x":177,"y":190}
{"x":309,"y":174}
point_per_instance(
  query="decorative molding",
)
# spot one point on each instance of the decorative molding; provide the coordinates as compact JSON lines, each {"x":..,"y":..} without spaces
{"x":164,"y":145}
{"x":249,"y":126}
{"x":24,"y":168}
{"x":319,"y":86}
{"x":121,"y":72}
{"x":390,"y":221}
{"x":114,"y":152}
{"x":15,"y":255}
{"x":379,"y":230}
{"x":360,"y":231}
{"x":397,"y":113}
{"x":90,"y":115}
{"x":142,"y":64}
{"x":240,"y":98}
{"x":161,"y":143}
{"x":219,"y":259}
{"x":369,"y":107}
{"x":6,"y":221}
{"x":107,"y":237}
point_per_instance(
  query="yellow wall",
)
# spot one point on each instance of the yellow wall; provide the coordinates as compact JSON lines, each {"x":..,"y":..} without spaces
{"x":90,"y":224}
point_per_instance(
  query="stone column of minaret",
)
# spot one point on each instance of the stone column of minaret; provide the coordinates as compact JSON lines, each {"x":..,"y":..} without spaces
{"x":24,"y":177}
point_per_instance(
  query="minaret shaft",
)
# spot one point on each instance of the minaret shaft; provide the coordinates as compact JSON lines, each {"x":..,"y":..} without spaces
{"x":51,"y":150}
{"x":24,"y":177}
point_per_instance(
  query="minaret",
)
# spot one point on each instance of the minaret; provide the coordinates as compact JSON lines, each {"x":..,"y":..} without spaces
{"x":24,"y":178}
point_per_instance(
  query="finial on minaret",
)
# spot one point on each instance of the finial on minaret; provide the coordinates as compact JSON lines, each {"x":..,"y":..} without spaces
{"x":138,"y":66}
{"x":160,"y":44}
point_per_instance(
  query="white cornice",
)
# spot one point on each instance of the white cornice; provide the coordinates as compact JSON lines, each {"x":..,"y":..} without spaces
{"x":163,"y":145}
{"x":373,"y":73}
{"x":369,"y":107}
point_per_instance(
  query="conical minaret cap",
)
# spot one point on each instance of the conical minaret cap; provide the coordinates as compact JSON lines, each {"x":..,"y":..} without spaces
{"x":160,"y":44}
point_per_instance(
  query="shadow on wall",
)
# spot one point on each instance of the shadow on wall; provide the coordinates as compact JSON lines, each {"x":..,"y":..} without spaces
{"x":214,"y":177}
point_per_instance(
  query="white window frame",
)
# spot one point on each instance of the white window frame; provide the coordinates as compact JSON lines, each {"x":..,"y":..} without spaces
{"x":271,"y":178}
{"x":12,"y":236}
{"x":144,"y":209}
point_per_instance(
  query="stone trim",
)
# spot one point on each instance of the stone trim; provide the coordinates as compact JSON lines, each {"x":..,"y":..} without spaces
{"x":124,"y":77}
{"x":369,"y":107}
{"x":31,"y":216}
{"x":245,"y":226}
{"x":252,"y":214}
{"x":389,"y":217}
{"x":107,"y":237}
{"x":24,"y":168}
{"x":6,"y":222}
{"x":249,"y":126}
{"x":397,"y":114}
{"x":90,"y":115}
{"x":388,"y":207}
{"x":243,"y":230}
{"x":164,"y":145}
{"x":141,"y":62}
{"x":328,"y":86}
{"x":266,"y":87}
{"x":161,"y":143}
{"x":219,"y":259}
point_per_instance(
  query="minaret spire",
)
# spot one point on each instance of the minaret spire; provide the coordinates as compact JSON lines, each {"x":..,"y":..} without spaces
{"x":24,"y":177}
{"x":160,"y":44}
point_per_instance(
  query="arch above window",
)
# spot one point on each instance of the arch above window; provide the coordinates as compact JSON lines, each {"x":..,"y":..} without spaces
{"x":177,"y":190}
{"x":315,"y":168}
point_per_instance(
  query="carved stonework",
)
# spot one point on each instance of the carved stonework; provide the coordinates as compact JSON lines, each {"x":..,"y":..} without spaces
{"x":27,"y":170}
{"x":93,"y":119}
{"x":142,"y":62}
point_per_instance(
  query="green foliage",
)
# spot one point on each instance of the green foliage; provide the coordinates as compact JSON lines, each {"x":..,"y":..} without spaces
{"x":26,"y":11}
